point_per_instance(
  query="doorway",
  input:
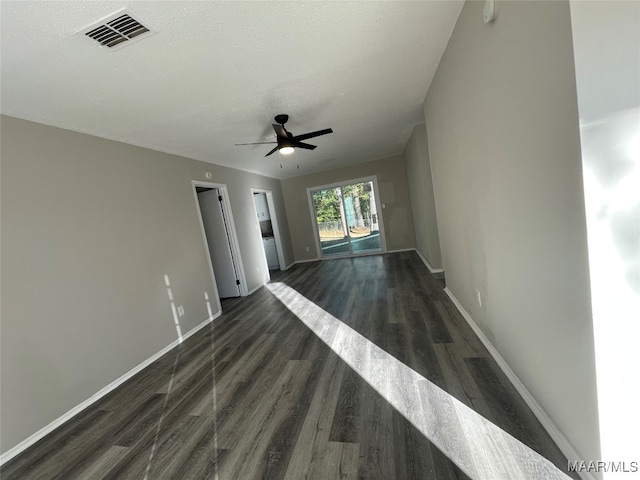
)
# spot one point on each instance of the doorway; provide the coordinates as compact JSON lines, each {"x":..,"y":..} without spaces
{"x":346,"y":218}
{"x":268,"y":227}
{"x":220,"y":239}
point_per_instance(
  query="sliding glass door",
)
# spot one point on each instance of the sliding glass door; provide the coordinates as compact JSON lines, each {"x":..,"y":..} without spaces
{"x":346,"y":218}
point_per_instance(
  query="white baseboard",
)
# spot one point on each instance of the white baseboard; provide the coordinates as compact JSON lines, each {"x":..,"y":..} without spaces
{"x":563,"y":443}
{"x":19,"y":448}
{"x":255,"y":289}
{"x":426,"y":262}
{"x":287,"y":267}
{"x":400,"y":250}
{"x":306,"y":261}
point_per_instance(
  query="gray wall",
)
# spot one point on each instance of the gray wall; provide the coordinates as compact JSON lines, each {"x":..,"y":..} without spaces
{"x":90,"y":227}
{"x":392,"y":183}
{"x":423,"y":204}
{"x":502,"y":125}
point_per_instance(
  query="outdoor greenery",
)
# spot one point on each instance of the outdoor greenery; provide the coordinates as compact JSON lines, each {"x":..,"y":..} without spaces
{"x":327,"y":202}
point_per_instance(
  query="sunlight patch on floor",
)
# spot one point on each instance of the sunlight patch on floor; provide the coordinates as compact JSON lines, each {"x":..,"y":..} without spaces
{"x":477,"y":446}
{"x":154,"y":446}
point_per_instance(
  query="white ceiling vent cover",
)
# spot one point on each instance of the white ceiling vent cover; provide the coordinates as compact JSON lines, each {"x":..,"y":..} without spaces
{"x":117,"y":30}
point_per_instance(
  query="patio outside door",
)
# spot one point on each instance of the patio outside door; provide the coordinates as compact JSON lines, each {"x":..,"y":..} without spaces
{"x":347,"y":221}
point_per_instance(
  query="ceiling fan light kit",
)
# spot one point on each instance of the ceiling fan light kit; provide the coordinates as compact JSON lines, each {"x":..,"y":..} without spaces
{"x":286,"y":150}
{"x":286,"y":142}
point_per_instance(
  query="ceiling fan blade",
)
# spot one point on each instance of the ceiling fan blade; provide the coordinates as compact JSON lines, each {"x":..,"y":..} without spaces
{"x":255,"y":143}
{"x":304,"y":145}
{"x":272,"y":151}
{"x":305,"y":136}
{"x":280,"y":131}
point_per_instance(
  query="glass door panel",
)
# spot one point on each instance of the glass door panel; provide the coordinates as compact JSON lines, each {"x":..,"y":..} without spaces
{"x":362,"y":218}
{"x":332,"y":227}
{"x":347,"y":220}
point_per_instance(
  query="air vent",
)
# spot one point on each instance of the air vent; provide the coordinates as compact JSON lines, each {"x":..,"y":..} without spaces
{"x":117,"y":30}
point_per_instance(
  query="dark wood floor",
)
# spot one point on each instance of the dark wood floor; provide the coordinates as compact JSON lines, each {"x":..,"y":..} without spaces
{"x":258,"y":395}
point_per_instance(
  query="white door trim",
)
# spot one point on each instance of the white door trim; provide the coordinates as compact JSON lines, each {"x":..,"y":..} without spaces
{"x":274,"y":224}
{"x":231,"y":230}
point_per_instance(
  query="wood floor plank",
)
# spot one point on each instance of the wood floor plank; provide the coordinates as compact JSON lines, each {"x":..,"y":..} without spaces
{"x":377,"y":454}
{"x":413,"y":457}
{"x":433,"y":321}
{"x":99,"y":467}
{"x":169,"y":451}
{"x":460,"y":382}
{"x":346,"y":419}
{"x":247,"y":442}
{"x":203,"y":456}
{"x":315,"y":431}
{"x":422,"y":354}
{"x":337,"y":461}
{"x":247,"y":398}
{"x":280,"y":446}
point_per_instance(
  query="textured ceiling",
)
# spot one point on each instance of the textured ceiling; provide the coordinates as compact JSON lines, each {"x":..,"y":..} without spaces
{"x":215,"y":74}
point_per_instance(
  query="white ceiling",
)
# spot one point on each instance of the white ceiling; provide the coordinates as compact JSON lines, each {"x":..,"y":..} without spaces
{"x":216,"y":73}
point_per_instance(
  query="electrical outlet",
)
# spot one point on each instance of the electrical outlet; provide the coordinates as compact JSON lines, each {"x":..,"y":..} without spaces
{"x":306,"y":248}
{"x":479,"y":297}
{"x":180,"y":310}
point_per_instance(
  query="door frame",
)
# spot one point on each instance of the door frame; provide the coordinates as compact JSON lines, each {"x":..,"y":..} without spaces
{"x":274,"y":224}
{"x":231,"y":233}
{"x":379,"y":207}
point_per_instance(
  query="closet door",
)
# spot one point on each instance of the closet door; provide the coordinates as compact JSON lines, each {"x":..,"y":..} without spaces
{"x":215,"y":229}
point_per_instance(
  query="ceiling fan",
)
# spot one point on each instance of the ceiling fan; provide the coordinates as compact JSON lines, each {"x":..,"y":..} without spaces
{"x":286,"y":141}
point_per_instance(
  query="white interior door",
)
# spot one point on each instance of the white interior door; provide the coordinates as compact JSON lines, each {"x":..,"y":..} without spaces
{"x":218,"y":241}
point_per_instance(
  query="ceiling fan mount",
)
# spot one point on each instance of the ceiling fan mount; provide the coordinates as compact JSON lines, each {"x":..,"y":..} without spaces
{"x":281,"y":118}
{"x":286,"y":142}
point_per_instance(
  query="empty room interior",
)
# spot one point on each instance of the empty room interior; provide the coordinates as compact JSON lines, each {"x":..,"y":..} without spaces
{"x":329,"y":240}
